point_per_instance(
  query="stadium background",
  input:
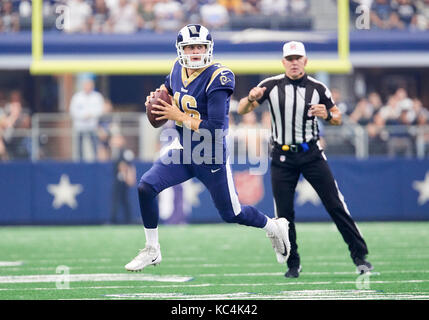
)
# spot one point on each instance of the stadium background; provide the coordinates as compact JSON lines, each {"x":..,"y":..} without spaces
{"x":379,"y":157}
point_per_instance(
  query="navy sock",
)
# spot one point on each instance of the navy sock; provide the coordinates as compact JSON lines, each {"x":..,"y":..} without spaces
{"x":148,"y":205}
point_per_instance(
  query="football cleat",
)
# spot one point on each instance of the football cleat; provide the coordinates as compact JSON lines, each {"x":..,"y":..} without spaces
{"x":150,"y":255}
{"x":293,"y":272}
{"x":362,"y":266}
{"x":280,"y":240}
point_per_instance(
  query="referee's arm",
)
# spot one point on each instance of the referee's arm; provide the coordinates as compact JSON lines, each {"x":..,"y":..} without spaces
{"x":250,"y":103}
{"x":333,"y":115}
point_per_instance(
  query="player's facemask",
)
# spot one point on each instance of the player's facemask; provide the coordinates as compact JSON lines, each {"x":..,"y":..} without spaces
{"x":194,"y":34}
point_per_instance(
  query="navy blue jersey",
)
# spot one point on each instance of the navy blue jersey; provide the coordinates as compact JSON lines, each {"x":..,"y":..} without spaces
{"x":204,"y":95}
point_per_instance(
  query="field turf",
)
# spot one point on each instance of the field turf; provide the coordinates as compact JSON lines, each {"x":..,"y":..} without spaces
{"x":210,"y":262}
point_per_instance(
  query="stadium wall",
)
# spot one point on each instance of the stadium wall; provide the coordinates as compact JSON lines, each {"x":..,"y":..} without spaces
{"x":227,"y":42}
{"x":52,"y":193}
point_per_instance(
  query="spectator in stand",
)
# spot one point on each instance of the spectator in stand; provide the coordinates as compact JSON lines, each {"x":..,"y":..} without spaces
{"x":9,"y":18}
{"x":79,"y":17}
{"x":251,"y":7}
{"x":214,"y":16}
{"x":298,"y":7}
{"x":341,"y":104}
{"x":274,"y":7}
{"x":168,"y":15}
{"x":366,"y":108}
{"x":146,"y":14}
{"x":25,"y":9}
{"x":381,"y":14}
{"x":405,"y":15}
{"x":86,"y":107}
{"x":405,"y":104}
{"x":234,"y":7}
{"x":124,"y":19}
{"x":98,"y":23}
{"x":191,"y":9}
{"x":420,"y":112}
{"x":15,"y":116}
{"x":389,"y":114}
{"x":422,"y":14}
{"x":104,"y":132}
{"x":112,"y":4}
{"x":124,"y":178}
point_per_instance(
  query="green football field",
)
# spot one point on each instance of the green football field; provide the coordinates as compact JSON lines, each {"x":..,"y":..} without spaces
{"x":210,"y":262}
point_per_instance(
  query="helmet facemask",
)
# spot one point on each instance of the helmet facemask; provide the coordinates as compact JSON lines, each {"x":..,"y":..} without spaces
{"x":186,"y":59}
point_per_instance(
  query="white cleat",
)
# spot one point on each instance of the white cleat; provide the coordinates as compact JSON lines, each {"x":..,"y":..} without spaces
{"x":280,"y":240}
{"x":148,"y":256}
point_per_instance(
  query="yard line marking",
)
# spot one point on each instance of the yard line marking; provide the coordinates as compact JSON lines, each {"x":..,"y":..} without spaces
{"x":304,"y":294}
{"x":11,"y":263}
{"x":228,"y":285}
{"x":111,"y":287}
{"x":94,"y":277}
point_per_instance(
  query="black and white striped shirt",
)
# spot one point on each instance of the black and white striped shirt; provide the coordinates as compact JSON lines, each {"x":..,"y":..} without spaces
{"x":289,"y":102}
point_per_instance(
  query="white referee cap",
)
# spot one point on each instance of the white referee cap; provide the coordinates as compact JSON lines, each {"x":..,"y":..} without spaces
{"x":293,"y":48}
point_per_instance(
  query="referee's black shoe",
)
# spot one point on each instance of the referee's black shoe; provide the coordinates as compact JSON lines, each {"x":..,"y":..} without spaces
{"x":293,"y":272}
{"x":362,"y":265}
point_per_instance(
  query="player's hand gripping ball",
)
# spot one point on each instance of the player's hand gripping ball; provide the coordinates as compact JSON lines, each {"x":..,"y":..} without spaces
{"x":153,"y":100}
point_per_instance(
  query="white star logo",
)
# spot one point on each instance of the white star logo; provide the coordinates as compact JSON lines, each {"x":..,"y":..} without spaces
{"x":64,"y":192}
{"x":422,"y":188}
{"x":306,"y":193}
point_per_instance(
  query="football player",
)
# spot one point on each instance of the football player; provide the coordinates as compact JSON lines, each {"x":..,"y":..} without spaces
{"x":201,"y":91}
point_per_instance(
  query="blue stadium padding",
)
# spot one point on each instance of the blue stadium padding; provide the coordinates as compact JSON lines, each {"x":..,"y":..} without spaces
{"x":378,"y":189}
{"x":16,"y":193}
{"x":163,"y":43}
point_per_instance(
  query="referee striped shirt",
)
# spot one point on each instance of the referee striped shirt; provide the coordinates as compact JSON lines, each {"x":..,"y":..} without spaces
{"x":289,"y":102}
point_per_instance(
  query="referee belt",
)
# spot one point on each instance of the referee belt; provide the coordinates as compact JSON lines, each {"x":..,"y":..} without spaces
{"x":295,"y":148}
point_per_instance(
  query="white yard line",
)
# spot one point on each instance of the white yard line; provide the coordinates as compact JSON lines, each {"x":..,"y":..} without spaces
{"x":92,"y":277}
{"x":151,"y":278}
{"x":10,"y":263}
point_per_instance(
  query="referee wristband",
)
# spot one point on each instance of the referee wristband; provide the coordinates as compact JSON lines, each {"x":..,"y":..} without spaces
{"x":329,"y":117}
{"x":251,"y":101}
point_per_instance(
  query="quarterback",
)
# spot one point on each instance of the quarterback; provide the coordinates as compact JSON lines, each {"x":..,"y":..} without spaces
{"x":201,"y":91}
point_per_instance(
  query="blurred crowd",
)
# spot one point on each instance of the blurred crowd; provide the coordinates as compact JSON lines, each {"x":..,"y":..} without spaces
{"x":398,"y":110}
{"x":392,"y":124}
{"x":395,"y":14}
{"x":128,"y":16}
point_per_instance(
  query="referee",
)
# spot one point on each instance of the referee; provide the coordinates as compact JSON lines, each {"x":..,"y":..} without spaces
{"x":295,"y":100}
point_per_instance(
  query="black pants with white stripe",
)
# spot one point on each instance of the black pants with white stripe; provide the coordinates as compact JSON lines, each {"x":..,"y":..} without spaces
{"x":286,"y":168}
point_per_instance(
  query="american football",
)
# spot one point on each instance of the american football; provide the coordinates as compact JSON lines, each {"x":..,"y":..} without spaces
{"x":163,"y":95}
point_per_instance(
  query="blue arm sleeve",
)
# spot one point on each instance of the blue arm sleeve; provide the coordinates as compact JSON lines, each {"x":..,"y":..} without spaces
{"x":217,"y":102}
{"x":167,"y":85}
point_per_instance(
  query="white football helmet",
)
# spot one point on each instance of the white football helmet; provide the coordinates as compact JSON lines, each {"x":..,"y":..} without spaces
{"x":190,"y":35}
